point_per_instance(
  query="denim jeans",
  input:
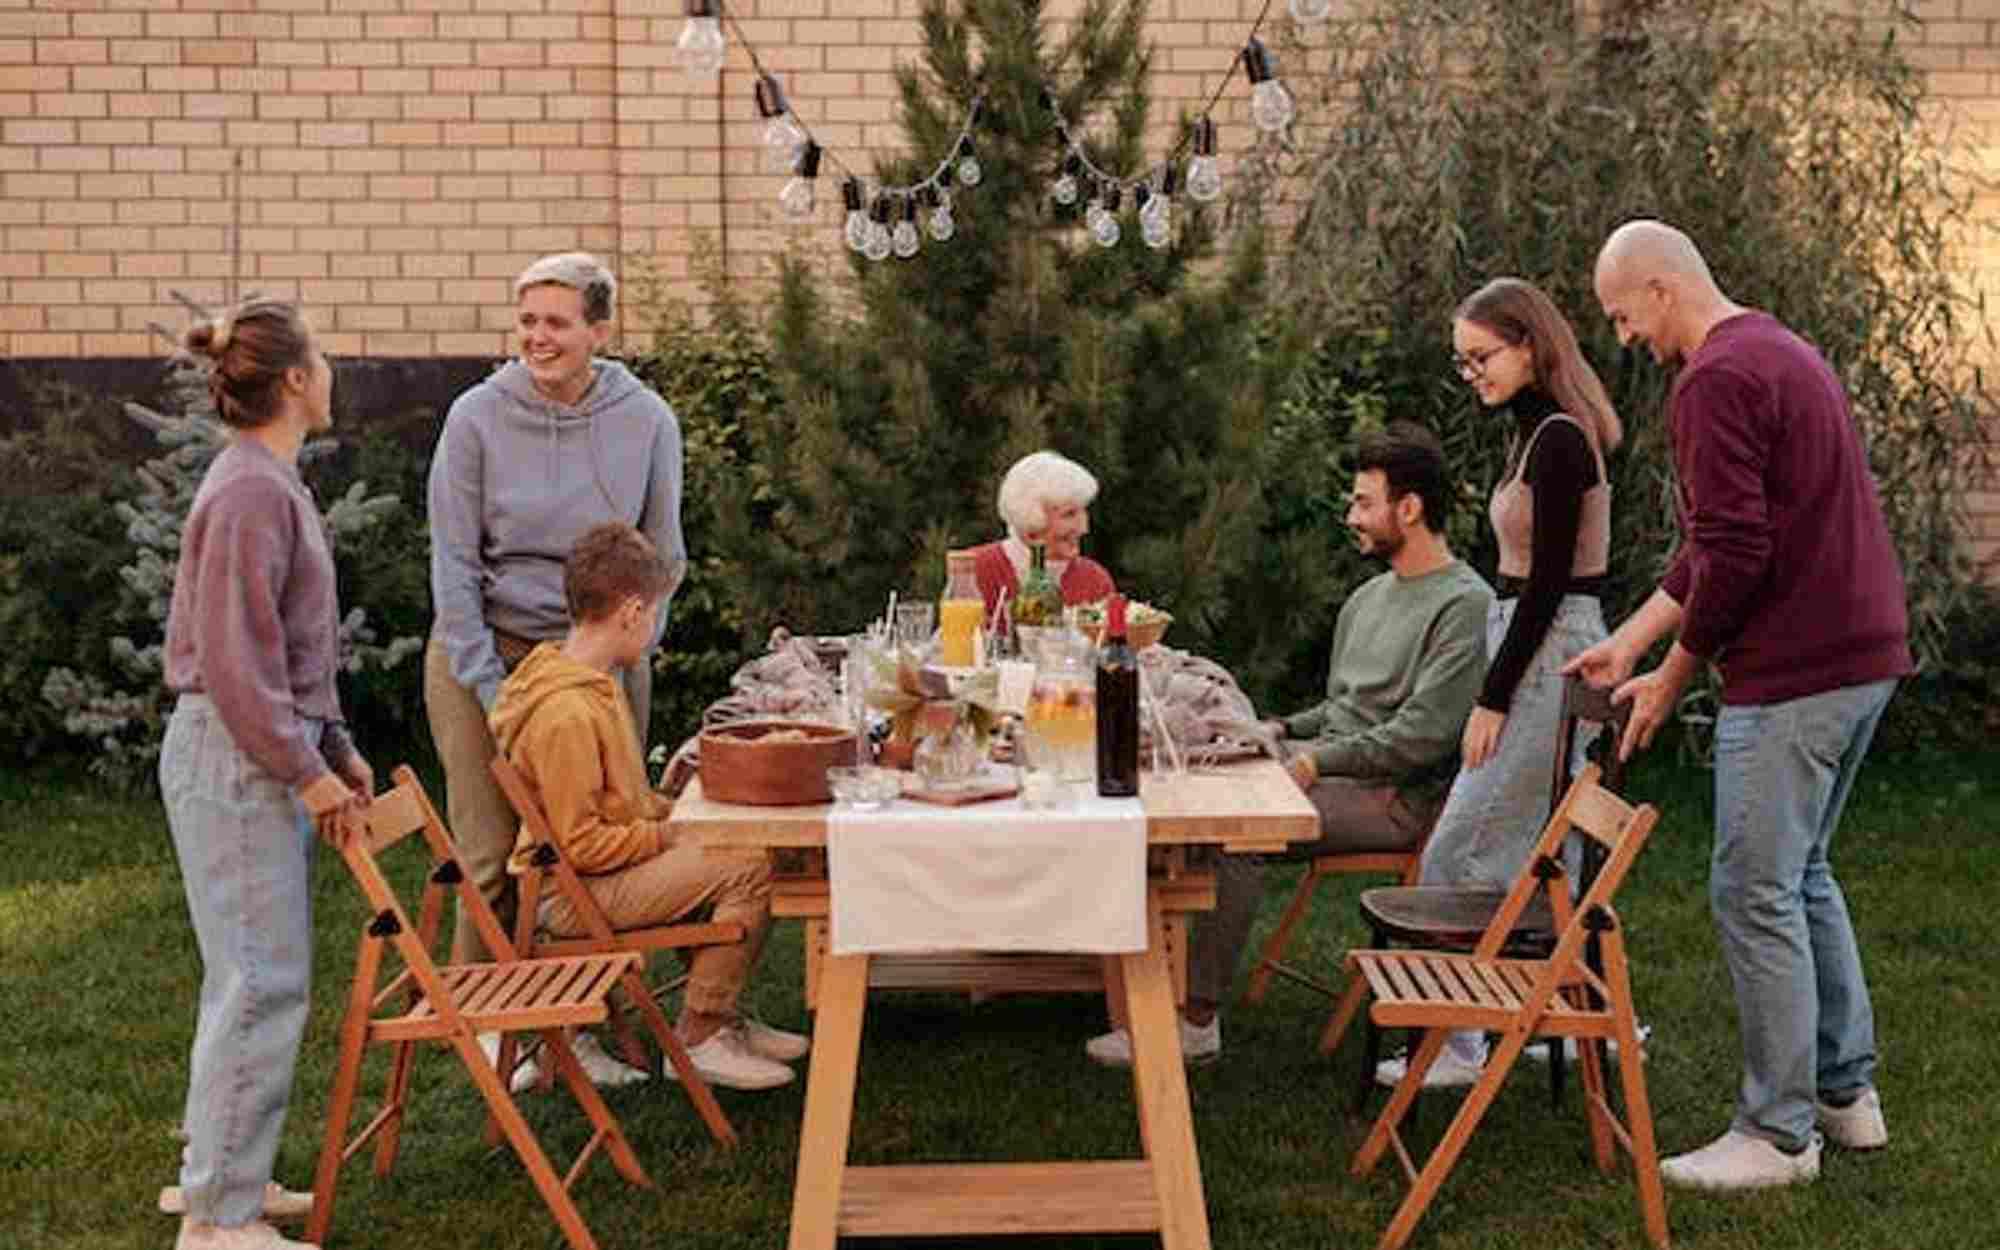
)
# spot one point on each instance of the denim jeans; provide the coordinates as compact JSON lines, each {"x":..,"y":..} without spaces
{"x":245,"y":846}
{"x":1782,"y":774}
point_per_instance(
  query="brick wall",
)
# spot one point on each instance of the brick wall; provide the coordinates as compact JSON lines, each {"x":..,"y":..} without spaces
{"x":394,"y":163}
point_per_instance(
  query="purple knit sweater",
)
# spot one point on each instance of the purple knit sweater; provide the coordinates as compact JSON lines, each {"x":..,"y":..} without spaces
{"x":254,"y":623}
{"x":1786,"y":575}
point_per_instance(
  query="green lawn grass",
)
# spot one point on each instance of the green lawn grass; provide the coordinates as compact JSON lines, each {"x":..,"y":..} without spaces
{"x":100,"y":977}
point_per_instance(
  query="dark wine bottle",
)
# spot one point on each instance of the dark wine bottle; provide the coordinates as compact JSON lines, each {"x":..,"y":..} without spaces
{"x":1117,"y":708}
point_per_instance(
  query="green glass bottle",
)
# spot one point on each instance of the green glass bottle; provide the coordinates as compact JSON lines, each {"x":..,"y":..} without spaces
{"x":1039,"y":601}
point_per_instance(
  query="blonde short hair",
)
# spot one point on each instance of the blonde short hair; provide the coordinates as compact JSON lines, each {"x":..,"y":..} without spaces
{"x":580,"y":272}
{"x":1038,"y":480}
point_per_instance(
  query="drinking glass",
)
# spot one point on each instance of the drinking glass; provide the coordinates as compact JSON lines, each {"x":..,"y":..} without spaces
{"x":915,"y":622}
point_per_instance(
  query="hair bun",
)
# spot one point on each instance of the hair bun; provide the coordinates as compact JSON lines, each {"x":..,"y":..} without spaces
{"x":211,"y":337}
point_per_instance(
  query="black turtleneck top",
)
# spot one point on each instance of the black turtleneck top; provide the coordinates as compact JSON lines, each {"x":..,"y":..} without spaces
{"x":1561,"y":468}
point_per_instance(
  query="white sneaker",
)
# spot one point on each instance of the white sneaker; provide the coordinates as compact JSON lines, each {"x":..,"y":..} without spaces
{"x":255,"y":1235}
{"x":1738,"y":1161}
{"x":1858,"y":1125}
{"x":1450,"y":1070}
{"x":1200,"y":1043}
{"x":773,"y":1043}
{"x":526,"y":1071}
{"x":725,"y":1058}
{"x":1539,"y":1051}
{"x":605,"y":1070}
{"x":279,"y":1203}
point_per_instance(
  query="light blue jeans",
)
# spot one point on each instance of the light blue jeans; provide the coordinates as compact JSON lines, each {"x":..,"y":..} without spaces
{"x":1782,"y":775}
{"x":1496,"y":811}
{"x":245,"y":846}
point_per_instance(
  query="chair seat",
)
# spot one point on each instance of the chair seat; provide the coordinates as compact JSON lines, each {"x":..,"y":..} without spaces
{"x":524,"y":994}
{"x":1444,"y":916}
{"x":1412,"y":987}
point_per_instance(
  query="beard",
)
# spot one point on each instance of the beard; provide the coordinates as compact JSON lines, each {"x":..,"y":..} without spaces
{"x":1382,"y":542}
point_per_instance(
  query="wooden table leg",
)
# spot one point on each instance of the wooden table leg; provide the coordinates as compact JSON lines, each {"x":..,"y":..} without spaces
{"x":829,"y":1114}
{"x":1160,"y":1083}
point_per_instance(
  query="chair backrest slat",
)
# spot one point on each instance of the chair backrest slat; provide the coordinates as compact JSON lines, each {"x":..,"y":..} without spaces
{"x":394,"y":815}
{"x":1601,"y":814}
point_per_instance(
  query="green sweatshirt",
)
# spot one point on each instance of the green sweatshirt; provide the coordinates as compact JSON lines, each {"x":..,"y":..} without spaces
{"x":1409,"y":655}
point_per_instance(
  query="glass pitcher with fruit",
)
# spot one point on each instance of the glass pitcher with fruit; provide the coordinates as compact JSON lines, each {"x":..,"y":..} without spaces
{"x":1061,"y":725}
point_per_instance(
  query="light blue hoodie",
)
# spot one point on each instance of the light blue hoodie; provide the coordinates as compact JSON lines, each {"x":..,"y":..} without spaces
{"x":517,"y":478}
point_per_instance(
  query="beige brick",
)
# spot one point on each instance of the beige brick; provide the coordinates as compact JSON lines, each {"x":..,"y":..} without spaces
{"x":595,"y":54}
{"x":72,"y":51}
{"x":151,"y":265}
{"x":97,"y":317}
{"x":34,"y":25}
{"x":295,"y":160}
{"x":295,"y":52}
{"x":336,"y":81}
{"x":409,"y":134}
{"x":127,"y":344}
{"x":402,"y":239}
{"x":333,"y":135}
{"x":370,"y":317}
{"x":22,"y":78}
{"x":478,"y":134}
{"x":474,"y":26}
{"x":38,"y":131}
{"x":290,"y":264}
{"x":189,"y":239}
{"x":494,"y":108}
{"x":15,"y":318}
{"x":41,"y":238}
{"x":294,"y":108}
{"x":368,"y":52}
{"x":219,"y":105}
{"x":255,"y":134}
{"x":328,"y":27}
{"x":436,"y":266}
{"x":182,"y":25}
{"x":108,"y":78}
{"x":332,"y":187}
{"x":398,"y":26}
{"x":264,"y":80}
{"x":294,"y":213}
{"x":468,"y":81}
{"x":47,"y":345}
{"x":75,"y":159}
{"x":255,"y":26}
{"x":47,"y":290}
{"x":506,"y":213}
{"x":114,"y":132}
{"x":329,"y":291}
{"x":365,"y":108}
{"x":366,"y":160}
{"x":508,"y":54}
{"x":26,"y":187}
{"x":70,"y":104}
{"x":511,"y":160}
{"x":436,"y":52}
{"x":220,"y":52}
{"x":107,"y":25}
{"x":20,"y":265}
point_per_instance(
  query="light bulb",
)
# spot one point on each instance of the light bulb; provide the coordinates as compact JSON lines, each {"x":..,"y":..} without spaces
{"x":1091,"y":216}
{"x":878,"y":242}
{"x":941,"y":226}
{"x":856,"y":229}
{"x":796,"y":200}
{"x":1156,"y":221}
{"x":1106,"y":230}
{"x":1271,"y":105}
{"x":904,"y":241}
{"x":1311,"y":10}
{"x":1204,"y":180}
{"x":1156,"y":233}
{"x":700,"y":50}
{"x":1064,"y":190}
{"x":969,"y":172}
{"x":783,"y":136}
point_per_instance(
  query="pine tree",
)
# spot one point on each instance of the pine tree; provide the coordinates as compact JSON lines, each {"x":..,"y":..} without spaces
{"x":911,"y":390}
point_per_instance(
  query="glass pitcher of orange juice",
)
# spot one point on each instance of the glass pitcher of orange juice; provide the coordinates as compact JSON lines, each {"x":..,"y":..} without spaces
{"x":960,"y":612}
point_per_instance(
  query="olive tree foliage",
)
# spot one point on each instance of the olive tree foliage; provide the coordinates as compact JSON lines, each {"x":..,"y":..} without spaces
{"x":1792,"y":141}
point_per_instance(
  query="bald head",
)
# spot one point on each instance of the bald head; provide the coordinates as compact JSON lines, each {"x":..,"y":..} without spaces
{"x":1656,"y":289}
{"x":1647,"y":251}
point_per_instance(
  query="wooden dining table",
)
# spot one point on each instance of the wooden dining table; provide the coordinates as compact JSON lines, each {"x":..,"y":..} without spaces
{"x":1246,"y":807}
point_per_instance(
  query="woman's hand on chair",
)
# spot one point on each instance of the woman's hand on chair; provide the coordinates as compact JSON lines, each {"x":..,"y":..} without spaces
{"x":1482,"y":736}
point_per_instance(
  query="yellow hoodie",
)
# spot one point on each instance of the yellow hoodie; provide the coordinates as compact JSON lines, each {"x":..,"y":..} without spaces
{"x":568,"y":729}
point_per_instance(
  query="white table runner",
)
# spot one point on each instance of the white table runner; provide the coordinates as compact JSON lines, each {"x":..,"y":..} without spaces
{"x":912,"y":878}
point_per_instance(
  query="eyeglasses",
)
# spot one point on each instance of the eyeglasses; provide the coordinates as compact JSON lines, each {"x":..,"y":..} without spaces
{"x":1472,"y":365}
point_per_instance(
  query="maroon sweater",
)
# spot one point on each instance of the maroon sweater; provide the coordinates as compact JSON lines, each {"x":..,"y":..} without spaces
{"x":254,"y":624}
{"x":1786,"y":575}
{"x":1084,"y":580}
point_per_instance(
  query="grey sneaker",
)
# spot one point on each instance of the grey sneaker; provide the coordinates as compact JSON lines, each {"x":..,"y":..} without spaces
{"x":1738,"y":1161}
{"x":773,"y":1043}
{"x":725,"y":1058}
{"x":1858,"y":1125}
{"x":1200,"y":1044}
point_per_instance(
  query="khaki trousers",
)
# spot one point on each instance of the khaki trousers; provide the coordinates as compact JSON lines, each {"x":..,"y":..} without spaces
{"x":482,"y":822}
{"x":677,"y":884}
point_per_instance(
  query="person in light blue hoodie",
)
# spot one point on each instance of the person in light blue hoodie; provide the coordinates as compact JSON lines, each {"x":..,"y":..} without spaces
{"x":553,"y":443}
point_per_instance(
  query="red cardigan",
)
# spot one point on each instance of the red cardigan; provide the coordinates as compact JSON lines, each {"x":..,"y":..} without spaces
{"x":1084,"y":580}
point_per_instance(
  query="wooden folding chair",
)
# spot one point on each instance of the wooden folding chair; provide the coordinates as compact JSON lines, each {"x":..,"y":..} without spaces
{"x":1271,"y":962}
{"x":545,"y":862}
{"x":452,"y":1005}
{"x":1449,"y":917}
{"x":1555,"y":997}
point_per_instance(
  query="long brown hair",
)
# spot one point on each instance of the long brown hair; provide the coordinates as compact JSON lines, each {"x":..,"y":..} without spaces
{"x":1520,"y":313}
{"x":250,"y":346}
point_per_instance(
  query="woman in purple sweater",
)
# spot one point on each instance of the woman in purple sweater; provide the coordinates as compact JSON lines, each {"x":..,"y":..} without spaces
{"x":255,"y":757}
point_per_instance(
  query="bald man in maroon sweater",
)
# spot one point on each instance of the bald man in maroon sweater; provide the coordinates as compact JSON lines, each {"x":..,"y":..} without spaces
{"x":1786,"y":580}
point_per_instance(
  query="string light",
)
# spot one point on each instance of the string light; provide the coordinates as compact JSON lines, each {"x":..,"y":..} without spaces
{"x":701,"y":49}
{"x":887,"y":223}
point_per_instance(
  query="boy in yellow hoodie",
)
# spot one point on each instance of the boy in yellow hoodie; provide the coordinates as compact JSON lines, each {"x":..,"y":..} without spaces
{"x":563,"y":722}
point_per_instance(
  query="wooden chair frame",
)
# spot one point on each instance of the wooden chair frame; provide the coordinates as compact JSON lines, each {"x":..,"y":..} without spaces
{"x":1271,"y":962}
{"x":451,"y":1005}
{"x":1556,"y":997}
{"x":545,"y":861}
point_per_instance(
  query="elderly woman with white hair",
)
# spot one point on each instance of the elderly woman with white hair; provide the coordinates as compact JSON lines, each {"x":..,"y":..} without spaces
{"x":1045,"y":498}
{"x":553,"y":443}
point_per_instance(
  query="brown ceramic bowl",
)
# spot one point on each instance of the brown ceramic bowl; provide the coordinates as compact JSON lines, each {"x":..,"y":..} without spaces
{"x":772,"y":763}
